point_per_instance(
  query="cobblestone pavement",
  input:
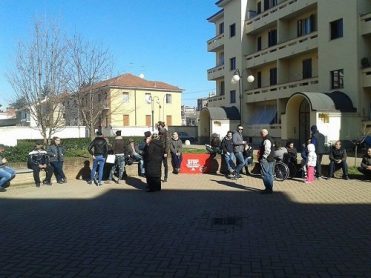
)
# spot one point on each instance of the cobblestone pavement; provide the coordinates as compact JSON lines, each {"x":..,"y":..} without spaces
{"x":198,"y":226}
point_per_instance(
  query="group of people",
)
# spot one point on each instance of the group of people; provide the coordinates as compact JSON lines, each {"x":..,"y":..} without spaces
{"x":151,"y":157}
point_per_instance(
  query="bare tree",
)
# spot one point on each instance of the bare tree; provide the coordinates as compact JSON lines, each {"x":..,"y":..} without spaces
{"x":89,"y":65}
{"x":39,"y":77}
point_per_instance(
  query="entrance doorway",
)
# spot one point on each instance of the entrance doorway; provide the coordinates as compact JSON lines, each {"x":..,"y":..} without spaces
{"x":304,"y":121}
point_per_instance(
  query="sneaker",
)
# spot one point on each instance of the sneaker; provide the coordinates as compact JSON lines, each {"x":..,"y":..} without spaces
{"x":116,"y":181}
{"x":95,"y":182}
{"x":165,"y":179}
{"x":7,"y":184}
{"x":89,"y":182}
{"x":60,"y":182}
{"x":2,"y":189}
{"x":100,"y":184}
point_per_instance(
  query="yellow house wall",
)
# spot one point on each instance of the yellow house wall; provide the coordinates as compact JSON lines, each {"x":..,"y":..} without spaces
{"x":138,"y":108}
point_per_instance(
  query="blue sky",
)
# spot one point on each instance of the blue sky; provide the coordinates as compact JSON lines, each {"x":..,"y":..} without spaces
{"x":163,"y":39}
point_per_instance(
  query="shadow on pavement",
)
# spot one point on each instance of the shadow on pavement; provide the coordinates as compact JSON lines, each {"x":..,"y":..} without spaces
{"x":183,"y":233}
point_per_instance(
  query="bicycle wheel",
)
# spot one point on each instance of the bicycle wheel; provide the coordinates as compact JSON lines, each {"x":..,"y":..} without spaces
{"x":281,"y":171}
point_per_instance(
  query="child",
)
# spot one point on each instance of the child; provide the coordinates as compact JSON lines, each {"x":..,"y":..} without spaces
{"x":311,"y":163}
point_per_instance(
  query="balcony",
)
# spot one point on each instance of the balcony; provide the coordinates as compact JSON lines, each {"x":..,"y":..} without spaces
{"x":281,"y":10}
{"x":283,"y":50}
{"x":215,"y":73}
{"x":215,"y":43}
{"x":216,"y":101}
{"x":366,"y":74}
{"x":284,"y":90}
{"x":366,"y":24}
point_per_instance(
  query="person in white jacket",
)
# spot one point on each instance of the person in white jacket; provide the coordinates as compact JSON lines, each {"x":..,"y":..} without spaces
{"x":311,"y":163}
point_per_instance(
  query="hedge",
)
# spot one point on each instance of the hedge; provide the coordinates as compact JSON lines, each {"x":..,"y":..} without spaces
{"x":75,"y":147}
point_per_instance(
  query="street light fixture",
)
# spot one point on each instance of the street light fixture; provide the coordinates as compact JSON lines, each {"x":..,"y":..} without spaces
{"x":151,"y":100}
{"x":238,"y":78}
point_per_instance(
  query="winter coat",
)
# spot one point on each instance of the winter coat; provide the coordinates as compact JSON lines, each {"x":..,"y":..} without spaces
{"x":118,"y":146}
{"x":176,"y":146}
{"x":238,"y":141}
{"x":337,"y":154}
{"x":56,"y":153}
{"x":153,"y":153}
{"x":312,"y":156}
{"x":98,"y":146}
{"x":37,"y":157}
{"x":227,"y":145}
{"x":165,"y":139}
{"x":366,"y":161}
{"x":318,"y":140}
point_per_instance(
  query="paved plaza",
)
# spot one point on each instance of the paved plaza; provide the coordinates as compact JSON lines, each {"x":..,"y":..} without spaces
{"x":198,"y":226}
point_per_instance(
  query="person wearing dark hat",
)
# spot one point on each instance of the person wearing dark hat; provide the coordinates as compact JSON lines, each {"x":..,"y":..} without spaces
{"x":162,"y":132}
{"x":153,"y":155}
{"x":318,"y":140}
{"x":98,"y":148}
{"x":38,"y":160}
{"x":119,"y":150}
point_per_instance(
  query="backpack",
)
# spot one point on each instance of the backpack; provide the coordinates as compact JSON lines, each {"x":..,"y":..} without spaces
{"x":29,"y":162}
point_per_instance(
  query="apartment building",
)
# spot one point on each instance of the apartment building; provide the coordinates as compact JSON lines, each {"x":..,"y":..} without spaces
{"x":130,"y":101}
{"x":311,"y":65}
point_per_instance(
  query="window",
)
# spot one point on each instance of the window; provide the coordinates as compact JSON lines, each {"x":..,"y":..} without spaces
{"x":126,"y":120}
{"x":221,"y":28}
{"x":337,"y":79}
{"x":259,"y":43}
{"x":232,"y":63}
{"x":273,"y":76}
{"x":259,"y":79}
{"x":148,"y":120}
{"x":307,"y":68}
{"x":336,"y":29}
{"x":272,"y":38}
{"x":259,"y":7}
{"x":222,"y":88}
{"x":232,"y":30}
{"x":233,"y":96}
{"x":125,"y":97}
{"x":306,"y":25}
{"x":266,"y":5}
{"x":169,"y":120}
{"x":168,"y":98}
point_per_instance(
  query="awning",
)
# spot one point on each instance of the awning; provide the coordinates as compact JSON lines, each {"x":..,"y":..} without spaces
{"x":265,"y":115}
{"x":223,"y":113}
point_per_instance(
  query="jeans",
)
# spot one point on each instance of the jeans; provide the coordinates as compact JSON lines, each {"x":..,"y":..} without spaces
{"x":58,"y":170}
{"x":98,"y":162}
{"x":240,"y":161}
{"x":120,"y":162}
{"x":176,"y":161}
{"x":229,"y":161}
{"x":6,"y":175}
{"x":343,"y":165}
{"x":139,"y":158}
{"x":267,"y":173}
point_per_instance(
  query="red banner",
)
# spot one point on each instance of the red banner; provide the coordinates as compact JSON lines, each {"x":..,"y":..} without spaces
{"x":198,"y":164}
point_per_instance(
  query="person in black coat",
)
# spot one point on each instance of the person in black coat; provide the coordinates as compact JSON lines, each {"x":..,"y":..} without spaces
{"x":153,"y":154}
{"x":338,"y":156}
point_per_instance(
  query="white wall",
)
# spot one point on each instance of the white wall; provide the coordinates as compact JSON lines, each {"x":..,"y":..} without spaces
{"x":10,"y":134}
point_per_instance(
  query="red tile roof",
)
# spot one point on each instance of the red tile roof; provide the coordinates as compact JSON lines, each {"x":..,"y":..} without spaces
{"x":131,"y":81}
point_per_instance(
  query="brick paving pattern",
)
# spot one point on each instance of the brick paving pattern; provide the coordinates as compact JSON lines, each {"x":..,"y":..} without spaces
{"x":198,"y":226}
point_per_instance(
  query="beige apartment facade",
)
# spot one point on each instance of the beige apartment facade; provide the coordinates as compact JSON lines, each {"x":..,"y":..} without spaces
{"x":132,"y":101}
{"x":311,"y":65}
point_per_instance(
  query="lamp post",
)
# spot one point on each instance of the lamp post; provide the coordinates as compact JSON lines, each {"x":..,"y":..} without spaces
{"x":152,"y":100}
{"x":237,"y":78}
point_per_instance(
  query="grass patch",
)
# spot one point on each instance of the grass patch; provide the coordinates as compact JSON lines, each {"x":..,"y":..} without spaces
{"x":192,"y":150}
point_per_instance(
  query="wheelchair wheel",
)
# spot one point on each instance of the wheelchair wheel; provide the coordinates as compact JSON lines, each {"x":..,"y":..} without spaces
{"x":254,"y":169}
{"x":281,"y":171}
{"x":292,"y":170}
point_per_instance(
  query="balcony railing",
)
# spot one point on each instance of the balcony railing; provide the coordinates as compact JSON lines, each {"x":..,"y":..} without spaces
{"x":366,"y":24}
{"x":215,"y":72}
{"x":215,"y":101}
{"x":215,"y":43}
{"x":281,"y":10}
{"x":283,"y":90}
{"x":283,"y":50}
